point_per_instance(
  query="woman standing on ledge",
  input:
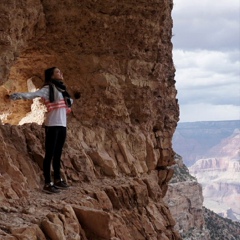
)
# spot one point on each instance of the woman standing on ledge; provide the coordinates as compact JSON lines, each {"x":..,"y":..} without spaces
{"x":58,"y":103}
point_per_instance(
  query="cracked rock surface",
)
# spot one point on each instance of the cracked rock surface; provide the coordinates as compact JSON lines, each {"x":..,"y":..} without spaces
{"x":116,"y":57}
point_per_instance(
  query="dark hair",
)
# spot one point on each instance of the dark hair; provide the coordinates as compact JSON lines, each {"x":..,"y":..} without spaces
{"x":48,"y":74}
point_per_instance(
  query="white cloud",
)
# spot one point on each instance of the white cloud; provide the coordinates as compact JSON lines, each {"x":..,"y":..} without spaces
{"x":206,"y":9}
{"x":206,"y":24}
{"x":205,"y":68}
{"x":206,"y":57}
{"x":190,"y":112}
{"x":207,"y":77}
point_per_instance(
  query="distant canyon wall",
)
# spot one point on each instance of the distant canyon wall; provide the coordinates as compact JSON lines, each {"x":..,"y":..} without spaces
{"x":221,"y":188}
{"x":117,"y":62}
{"x":219,"y":176}
{"x":196,"y":140}
{"x":189,"y":203}
{"x":211,"y":149}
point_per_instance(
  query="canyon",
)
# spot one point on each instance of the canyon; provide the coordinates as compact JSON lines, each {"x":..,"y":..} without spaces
{"x":212,"y":151}
{"x":193,"y":221}
{"x":219,"y":175}
{"x":126,"y":181}
{"x":194,"y":140}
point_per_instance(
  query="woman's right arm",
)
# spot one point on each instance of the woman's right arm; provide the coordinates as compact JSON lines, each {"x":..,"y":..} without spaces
{"x":43,"y":92}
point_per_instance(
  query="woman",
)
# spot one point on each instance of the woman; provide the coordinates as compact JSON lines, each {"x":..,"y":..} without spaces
{"x":58,"y":103}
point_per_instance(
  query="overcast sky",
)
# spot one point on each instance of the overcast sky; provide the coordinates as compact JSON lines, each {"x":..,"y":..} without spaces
{"x":206,"y":40}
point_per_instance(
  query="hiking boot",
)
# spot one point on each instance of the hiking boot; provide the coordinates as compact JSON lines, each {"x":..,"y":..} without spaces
{"x":50,"y":188}
{"x":61,"y":184}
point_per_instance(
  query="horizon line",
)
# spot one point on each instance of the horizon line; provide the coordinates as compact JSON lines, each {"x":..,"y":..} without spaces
{"x":209,"y":121}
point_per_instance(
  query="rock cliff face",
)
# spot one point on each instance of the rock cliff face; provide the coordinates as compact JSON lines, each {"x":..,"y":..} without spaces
{"x":221,"y":228}
{"x":185,"y":200}
{"x":117,"y":62}
{"x":194,"y":221}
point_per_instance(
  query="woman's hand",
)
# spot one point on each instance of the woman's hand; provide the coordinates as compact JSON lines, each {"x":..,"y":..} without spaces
{"x":15,"y":96}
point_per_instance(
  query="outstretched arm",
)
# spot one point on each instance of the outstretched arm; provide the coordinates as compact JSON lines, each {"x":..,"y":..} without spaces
{"x":44,"y":92}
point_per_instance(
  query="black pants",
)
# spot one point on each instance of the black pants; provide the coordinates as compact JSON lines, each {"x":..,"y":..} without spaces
{"x":54,"y":140}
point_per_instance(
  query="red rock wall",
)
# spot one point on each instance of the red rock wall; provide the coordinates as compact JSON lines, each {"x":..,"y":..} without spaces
{"x":117,"y":56}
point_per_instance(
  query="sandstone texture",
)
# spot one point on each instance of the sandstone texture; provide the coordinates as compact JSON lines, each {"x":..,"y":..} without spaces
{"x":116,"y":57}
{"x":185,"y":200}
{"x":100,"y":204}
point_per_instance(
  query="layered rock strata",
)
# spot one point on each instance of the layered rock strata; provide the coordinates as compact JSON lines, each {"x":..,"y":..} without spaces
{"x":103,"y":203}
{"x":185,"y":200}
{"x":194,"y":221}
{"x":219,"y":176}
{"x":117,"y":62}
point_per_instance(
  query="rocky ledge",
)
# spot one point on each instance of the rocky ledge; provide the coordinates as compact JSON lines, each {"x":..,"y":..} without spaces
{"x":107,"y":200}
